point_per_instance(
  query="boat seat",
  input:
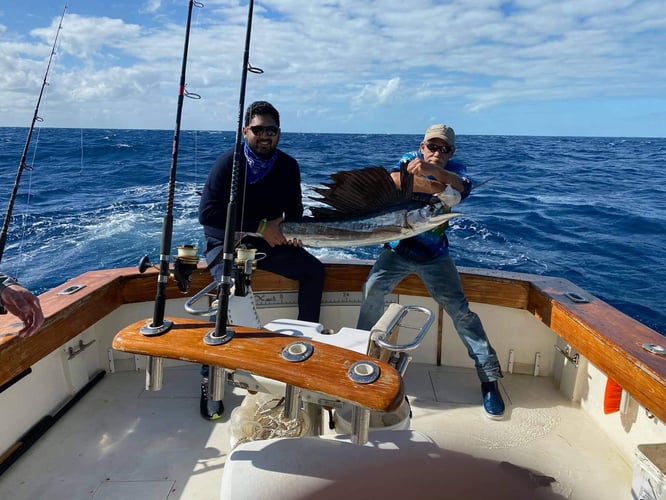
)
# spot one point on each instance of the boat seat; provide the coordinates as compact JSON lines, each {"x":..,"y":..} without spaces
{"x":289,"y":468}
{"x":242,"y":311}
{"x":347,"y":338}
{"x":377,"y":343}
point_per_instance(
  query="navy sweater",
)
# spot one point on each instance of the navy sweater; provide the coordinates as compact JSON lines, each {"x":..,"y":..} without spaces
{"x":278,"y":194}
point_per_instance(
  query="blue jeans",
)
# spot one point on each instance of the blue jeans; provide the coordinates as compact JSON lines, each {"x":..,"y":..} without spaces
{"x":442,"y":281}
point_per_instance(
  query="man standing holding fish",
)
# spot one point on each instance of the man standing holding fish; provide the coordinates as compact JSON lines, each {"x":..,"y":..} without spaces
{"x":269,"y":190}
{"x":427,"y":256}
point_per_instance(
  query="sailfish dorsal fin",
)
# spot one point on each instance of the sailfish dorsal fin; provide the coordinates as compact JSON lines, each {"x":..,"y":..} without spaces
{"x":406,"y":181}
{"x":360,"y":192}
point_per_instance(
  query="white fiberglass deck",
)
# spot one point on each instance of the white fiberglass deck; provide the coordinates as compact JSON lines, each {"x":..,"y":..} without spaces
{"x":122,"y":442}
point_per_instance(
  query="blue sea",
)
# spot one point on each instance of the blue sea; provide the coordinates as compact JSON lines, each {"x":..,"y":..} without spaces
{"x":591,"y":210}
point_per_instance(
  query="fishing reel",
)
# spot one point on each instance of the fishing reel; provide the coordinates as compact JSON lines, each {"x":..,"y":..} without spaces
{"x":245,"y":263}
{"x":184,"y":265}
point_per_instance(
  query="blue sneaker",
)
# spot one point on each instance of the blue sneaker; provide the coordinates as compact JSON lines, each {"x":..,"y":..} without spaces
{"x":493,"y":404}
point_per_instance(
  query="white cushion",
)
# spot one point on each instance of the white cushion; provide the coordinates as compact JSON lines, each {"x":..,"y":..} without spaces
{"x":347,"y":338}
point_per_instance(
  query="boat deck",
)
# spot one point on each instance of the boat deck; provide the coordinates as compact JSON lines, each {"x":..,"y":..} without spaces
{"x":122,"y":442}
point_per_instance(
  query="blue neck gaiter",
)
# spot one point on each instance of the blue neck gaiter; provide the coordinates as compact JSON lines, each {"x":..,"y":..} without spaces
{"x":257,"y":168}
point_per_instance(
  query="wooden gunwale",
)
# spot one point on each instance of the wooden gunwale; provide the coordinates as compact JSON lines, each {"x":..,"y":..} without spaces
{"x":608,"y":338}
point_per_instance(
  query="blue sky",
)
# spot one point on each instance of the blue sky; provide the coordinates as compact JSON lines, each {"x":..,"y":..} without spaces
{"x":527,"y":67}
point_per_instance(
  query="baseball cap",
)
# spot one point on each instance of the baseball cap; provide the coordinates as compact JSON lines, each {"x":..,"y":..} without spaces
{"x":441,"y":131}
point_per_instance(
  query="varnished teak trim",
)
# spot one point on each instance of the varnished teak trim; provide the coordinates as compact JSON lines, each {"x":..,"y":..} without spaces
{"x":609,"y":339}
{"x":259,"y":351}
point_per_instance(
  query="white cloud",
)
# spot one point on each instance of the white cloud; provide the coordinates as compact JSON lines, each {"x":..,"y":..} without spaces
{"x":152,"y":6}
{"x":377,"y":93}
{"x":345,"y":63}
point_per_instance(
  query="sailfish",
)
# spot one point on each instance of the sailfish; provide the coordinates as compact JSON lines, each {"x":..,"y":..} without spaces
{"x":365,"y":207}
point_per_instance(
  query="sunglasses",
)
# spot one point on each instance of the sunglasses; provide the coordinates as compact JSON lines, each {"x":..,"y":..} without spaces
{"x":439,"y":149}
{"x":269,"y":130}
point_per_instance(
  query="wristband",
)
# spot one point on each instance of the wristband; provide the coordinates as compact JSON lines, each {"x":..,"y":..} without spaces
{"x":262,"y":228}
{"x":5,"y":281}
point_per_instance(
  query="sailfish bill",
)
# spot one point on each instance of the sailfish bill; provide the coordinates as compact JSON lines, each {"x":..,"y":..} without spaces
{"x":365,"y":207}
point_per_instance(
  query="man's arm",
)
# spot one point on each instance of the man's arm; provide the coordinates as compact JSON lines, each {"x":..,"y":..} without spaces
{"x":293,"y":203}
{"x":19,"y":301}
{"x":432,"y":178}
{"x":215,"y":194}
{"x":421,"y":184}
{"x":292,"y":191}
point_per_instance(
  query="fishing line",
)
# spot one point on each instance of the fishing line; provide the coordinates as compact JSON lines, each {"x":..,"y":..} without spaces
{"x":22,"y":164}
{"x":196,"y":159}
{"x":159,"y":325}
{"x":24,"y":215}
{"x":82,"y":161}
{"x":23,"y":225}
{"x":241,"y":235}
{"x":196,"y":26}
{"x":221,"y":334}
{"x":481,"y":183}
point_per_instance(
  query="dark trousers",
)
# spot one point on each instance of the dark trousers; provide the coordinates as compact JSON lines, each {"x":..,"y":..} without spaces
{"x":289,"y":261}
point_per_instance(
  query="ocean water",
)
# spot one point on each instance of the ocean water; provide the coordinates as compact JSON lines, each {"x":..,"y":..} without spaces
{"x":591,"y":210}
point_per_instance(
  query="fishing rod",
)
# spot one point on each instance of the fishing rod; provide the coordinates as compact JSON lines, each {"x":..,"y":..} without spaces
{"x":221,"y":334}
{"x":481,"y":183}
{"x":186,"y":262}
{"x":22,"y":165}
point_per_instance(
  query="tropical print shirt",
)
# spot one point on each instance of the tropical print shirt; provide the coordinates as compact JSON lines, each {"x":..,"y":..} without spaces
{"x":434,"y":243}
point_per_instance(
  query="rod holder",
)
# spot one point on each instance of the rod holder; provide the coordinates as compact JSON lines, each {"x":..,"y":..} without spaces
{"x":292,"y":402}
{"x":152,"y":331}
{"x":211,"y":339}
{"x":314,"y":413}
{"x":216,"y":383}
{"x":360,"y":425}
{"x":154,"y":369}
